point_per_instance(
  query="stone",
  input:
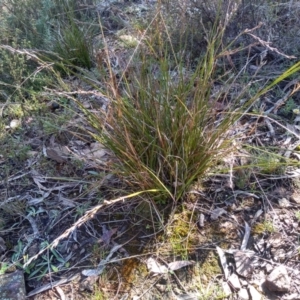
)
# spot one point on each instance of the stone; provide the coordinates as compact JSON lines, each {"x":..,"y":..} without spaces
{"x":294,"y":296}
{"x":226,"y":289}
{"x":185,"y":297}
{"x":243,"y":262}
{"x":234,"y":281}
{"x":269,"y":268}
{"x":243,"y":282}
{"x":254,"y":293}
{"x":283,"y":202}
{"x":243,"y":294}
{"x":88,"y":283}
{"x":295,"y":197}
{"x":276,"y":239}
{"x":12,"y":286}
{"x":295,"y":225}
{"x":278,"y":280}
{"x":14,"y":123}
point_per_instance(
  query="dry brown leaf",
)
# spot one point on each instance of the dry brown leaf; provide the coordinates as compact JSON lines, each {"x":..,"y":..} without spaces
{"x":54,"y":155}
{"x":95,"y":151}
{"x":223,"y":261}
{"x":154,"y":267}
{"x":244,"y":262}
{"x":216,"y":213}
{"x":175,"y":265}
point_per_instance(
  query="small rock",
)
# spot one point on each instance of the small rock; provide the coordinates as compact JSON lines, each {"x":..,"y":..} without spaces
{"x":254,"y":293}
{"x":201,"y":220}
{"x":283,"y":202}
{"x":234,"y":281}
{"x":278,"y":280}
{"x":295,"y":225}
{"x":217,"y":212}
{"x":226,"y":289}
{"x":295,"y":197}
{"x":12,"y":286}
{"x":278,"y":254}
{"x":161,"y":287}
{"x":243,"y":294}
{"x":14,"y":123}
{"x":276,"y":239}
{"x":88,"y":283}
{"x":186,"y":297}
{"x":294,"y":296}
{"x":269,"y":268}
{"x":243,"y":282}
{"x":244,"y":262}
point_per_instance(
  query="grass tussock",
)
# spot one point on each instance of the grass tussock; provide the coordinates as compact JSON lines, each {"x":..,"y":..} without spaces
{"x":73,"y":46}
{"x":164,"y":128}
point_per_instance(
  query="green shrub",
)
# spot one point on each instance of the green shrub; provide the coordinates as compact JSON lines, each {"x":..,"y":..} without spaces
{"x":28,"y":20}
{"x":36,"y":24}
{"x":48,"y":25}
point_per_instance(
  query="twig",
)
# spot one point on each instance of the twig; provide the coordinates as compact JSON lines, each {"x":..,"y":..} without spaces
{"x":51,"y":285}
{"x":88,"y":215}
{"x":267,"y":45}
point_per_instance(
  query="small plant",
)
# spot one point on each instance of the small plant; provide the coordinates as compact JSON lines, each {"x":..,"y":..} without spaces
{"x":297,"y":215}
{"x":266,"y":226}
{"x":13,"y":149}
{"x":36,"y":21}
{"x":181,"y":234}
{"x":269,"y":163}
{"x":269,"y":226}
{"x":289,"y":107}
{"x":73,"y":46}
{"x":210,"y":291}
{"x":98,"y":295}
{"x":4,"y":267}
{"x":242,"y":177}
{"x":81,"y":209}
{"x":51,"y":262}
{"x":97,"y":254}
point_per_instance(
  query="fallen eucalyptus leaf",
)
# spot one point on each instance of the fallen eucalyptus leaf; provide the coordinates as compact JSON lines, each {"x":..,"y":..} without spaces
{"x":216,"y":213}
{"x":179,"y":264}
{"x":223,"y":261}
{"x":154,"y":267}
